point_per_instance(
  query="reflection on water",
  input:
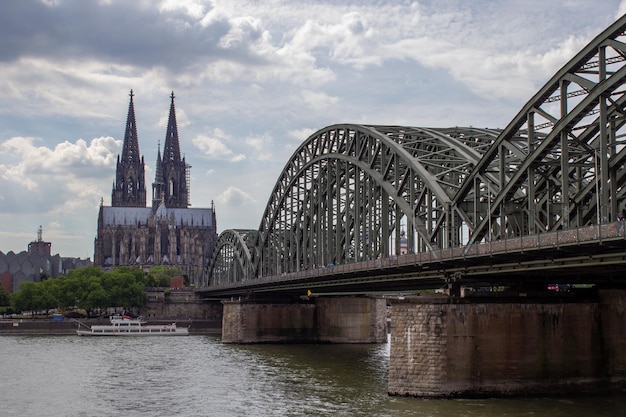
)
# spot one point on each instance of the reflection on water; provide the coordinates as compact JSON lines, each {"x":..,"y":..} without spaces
{"x":200,"y":376}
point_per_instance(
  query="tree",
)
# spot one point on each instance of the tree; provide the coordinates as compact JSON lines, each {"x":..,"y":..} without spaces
{"x":87,"y":288}
{"x":5,"y":299}
{"x":74,"y":288}
{"x":94,"y":296}
{"x":125,"y":287}
{"x":162,"y":275}
{"x":46,"y":295}
{"x":25,"y":298}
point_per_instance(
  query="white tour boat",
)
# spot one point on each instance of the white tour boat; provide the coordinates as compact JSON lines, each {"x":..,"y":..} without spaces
{"x":126,"y":326}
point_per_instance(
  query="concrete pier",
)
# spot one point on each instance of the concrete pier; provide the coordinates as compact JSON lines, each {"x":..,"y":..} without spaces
{"x":469,"y":347}
{"x":320,"y":320}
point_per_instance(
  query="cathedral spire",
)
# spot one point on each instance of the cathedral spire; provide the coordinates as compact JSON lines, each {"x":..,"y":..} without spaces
{"x":158,"y":185}
{"x":130,"y":151}
{"x":159,"y":168}
{"x":173,"y":169}
{"x":129,"y":186}
{"x":171,"y":150}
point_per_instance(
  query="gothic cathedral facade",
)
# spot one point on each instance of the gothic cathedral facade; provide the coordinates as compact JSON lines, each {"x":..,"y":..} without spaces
{"x":169,"y":232}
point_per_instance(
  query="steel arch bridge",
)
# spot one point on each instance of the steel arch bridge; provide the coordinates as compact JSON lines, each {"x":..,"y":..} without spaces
{"x":353,"y":193}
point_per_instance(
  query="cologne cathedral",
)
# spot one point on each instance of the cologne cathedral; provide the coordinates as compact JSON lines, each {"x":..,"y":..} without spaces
{"x":169,"y":232}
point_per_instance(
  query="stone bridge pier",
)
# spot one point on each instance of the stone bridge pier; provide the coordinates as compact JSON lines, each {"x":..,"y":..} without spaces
{"x":469,"y":347}
{"x":319,"y":320}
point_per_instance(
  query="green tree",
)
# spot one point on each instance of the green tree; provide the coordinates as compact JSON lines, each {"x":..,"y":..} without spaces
{"x":60,"y":288}
{"x":5,"y":299}
{"x":32,"y":296}
{"x":25,"y":298}
{"x":126,"y":287}
{"x":87,"y":288}
{"x":94,"y":297}
{"x":47,"y":295}
{"x":76,"y":286}
{"x":162,"y":275}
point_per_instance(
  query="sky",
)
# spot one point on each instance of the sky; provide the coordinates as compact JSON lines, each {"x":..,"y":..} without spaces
{"x":252,"y":80}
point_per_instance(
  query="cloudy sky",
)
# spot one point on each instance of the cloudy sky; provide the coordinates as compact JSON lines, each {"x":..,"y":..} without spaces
{"x":252,"y":79}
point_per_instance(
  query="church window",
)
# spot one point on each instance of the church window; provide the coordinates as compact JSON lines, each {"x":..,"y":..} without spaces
{"x":172,"y":187}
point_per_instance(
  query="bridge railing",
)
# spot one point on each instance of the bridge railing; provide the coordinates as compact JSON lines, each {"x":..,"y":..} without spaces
{"x":517,"y":245}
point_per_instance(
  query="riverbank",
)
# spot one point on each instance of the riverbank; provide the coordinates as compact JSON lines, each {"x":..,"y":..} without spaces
{"x":49,"y":327}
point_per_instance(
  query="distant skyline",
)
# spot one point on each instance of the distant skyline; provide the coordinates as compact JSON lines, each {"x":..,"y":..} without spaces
{"x":252,"y":81}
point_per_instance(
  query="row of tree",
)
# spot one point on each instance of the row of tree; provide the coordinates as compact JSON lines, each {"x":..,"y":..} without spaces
{"x":90,"y":289}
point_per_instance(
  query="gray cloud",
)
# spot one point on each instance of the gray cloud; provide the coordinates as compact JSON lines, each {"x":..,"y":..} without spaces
{"x":130,"y":32}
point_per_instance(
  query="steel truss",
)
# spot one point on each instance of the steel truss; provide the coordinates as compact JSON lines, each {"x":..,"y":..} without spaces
{"x":352,"y":193}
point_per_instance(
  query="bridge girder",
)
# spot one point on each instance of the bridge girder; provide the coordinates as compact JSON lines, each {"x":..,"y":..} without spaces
{"x":352,"y":193}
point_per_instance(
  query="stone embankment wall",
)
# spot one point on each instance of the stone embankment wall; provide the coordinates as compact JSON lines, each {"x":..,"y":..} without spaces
{"x":48,"y":327}
{"x":442,"y":347}
{"x":37,"y":327}
{"x":180,"y":304}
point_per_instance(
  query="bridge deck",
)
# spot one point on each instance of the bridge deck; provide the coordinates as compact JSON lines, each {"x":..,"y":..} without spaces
{"x":594,"y":254}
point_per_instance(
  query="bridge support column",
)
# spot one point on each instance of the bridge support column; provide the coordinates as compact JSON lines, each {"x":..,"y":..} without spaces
{"x":351,"y":319}
{"x":321,"y":320}
{"x":446,"y":347}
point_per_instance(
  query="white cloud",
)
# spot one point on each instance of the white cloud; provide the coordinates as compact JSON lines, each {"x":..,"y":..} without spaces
{"x":234,"y":197}
{"x":193,"y":8}
{"x":262,"y":146}
{"x":33,"y":166}
{"x":245,"y":30}
{"x":300,"y":135}
{"x":318,"y":100}
{"x":346,"y":40}
{"x":488,"y":72}
{"x":215,"y":147}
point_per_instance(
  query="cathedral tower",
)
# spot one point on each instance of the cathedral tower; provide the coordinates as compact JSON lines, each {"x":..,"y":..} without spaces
{"x":129,"y":188}
{"x":171,"y":180}
{"x":169,"y":232}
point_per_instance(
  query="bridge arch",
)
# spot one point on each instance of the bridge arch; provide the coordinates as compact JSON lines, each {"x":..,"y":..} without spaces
{"x":231,"y":260}
{"x":352,"y":192}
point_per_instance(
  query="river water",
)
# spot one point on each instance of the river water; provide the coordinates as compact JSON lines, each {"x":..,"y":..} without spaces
{"x":200,"y":376}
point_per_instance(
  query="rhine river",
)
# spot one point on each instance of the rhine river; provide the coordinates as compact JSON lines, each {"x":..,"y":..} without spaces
{"x":200,"y":376}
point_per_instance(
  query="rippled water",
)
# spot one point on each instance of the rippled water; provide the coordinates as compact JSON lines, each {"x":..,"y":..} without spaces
{"x":200,"y":376}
